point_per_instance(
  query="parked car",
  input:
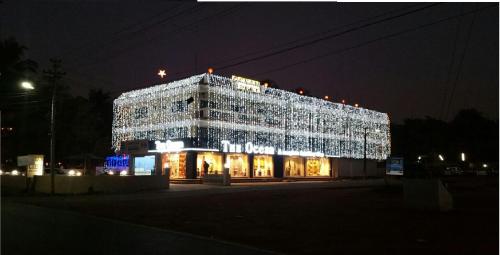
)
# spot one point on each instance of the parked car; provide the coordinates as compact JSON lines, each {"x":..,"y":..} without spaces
{"x":453,"y":170}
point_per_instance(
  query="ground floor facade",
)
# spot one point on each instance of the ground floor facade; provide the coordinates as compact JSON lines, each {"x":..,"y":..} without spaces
{"x":195,"y":164}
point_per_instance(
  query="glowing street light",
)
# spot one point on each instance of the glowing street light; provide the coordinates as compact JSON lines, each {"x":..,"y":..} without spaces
{"x":441,"y":157}
{"x":327,"y":97}
{"x":210,"y":70}
{"x":343,"y":101}
{"x":162,"y":73}
{"x":462,"y":156}
{"x":27,"y":85}
{"x":356,"y":105}
{"x":485,"y":165}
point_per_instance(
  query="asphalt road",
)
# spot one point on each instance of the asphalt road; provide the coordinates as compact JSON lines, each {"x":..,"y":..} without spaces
{"x":29,"y":229}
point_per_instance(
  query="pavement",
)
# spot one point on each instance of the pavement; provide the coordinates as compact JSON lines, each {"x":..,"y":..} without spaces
{"x":30,"y":229}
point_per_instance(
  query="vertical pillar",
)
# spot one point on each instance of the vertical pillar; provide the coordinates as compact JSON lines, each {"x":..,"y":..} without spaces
{"x":158,"y":164}
{"x":131,"y":164}
{"x":278,"y":166}
{"x":191,"y":164}
{"x":250,"y":165}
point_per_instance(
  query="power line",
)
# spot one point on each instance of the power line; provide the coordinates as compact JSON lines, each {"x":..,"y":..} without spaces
{"x":93,"y":43}
{"x":162,"y":21}
{"x":450,"y":100}
{"x":305,"y":37}
{"x":452,"y":63}
{"x":315,"y":34}
{"x":370,"y":41}
{"x":224,"y":12}
{"x":327,"y":37}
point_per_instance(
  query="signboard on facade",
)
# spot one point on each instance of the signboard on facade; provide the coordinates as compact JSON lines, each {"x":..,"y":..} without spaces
{"x":249,"y":147}
{"x":33,"y":164}
{"x":245,"y":84}
{"x":394,"y":166}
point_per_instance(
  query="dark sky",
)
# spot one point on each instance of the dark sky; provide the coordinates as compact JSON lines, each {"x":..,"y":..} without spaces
{"x":119,"y":46}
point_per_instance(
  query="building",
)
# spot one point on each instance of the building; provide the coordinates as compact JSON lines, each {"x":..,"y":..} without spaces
{"x":209,"y":121}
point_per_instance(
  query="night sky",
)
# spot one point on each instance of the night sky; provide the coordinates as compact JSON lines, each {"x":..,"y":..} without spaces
{"x":118,"y":47}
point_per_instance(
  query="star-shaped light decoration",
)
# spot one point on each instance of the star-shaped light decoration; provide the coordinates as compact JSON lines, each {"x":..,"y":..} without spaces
{"x":162,"y":73}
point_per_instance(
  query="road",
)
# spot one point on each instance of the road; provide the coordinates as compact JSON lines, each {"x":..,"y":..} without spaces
{"x":29,"y":229}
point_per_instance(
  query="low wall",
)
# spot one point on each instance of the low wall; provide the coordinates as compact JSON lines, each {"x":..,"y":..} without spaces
{"x":13,"y":184}
{"x":107,"y":184}
{"x":217,"y":179}
{"x":354,"y":168}
{"x":427,"y":194}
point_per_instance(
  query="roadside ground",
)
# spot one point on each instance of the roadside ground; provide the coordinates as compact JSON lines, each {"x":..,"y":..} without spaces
{"x":349,"y":217}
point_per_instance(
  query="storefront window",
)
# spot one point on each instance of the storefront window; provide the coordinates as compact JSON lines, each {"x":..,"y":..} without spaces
{"x":213,"y":160}
{"x":177,"y":164}
{"x":263,"y":166}
{"x":318,"y":167}
{"x":238,"y":165}
{"x":294,"y":166}
{"x":144,"y":165}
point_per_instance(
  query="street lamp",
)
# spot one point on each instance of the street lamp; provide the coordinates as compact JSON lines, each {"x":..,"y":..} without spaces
{"x":26,"y":85}
{"x":441,"y":157}
{"x":462,"y":156}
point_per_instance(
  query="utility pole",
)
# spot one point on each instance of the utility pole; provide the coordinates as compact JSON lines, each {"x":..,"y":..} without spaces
{"x":364,"y":154}
{"x":53,"y":75}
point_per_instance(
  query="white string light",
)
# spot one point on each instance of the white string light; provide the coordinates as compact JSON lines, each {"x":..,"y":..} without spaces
{"x":209,"y":109}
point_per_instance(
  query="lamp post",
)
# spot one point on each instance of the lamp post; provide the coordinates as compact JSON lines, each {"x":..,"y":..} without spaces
{"x":26,"y":85}
{"x":364,"y":154}
{"x":53,"y":75}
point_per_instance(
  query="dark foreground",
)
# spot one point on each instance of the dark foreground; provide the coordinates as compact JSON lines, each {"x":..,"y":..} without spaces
{"x":319,"y":219}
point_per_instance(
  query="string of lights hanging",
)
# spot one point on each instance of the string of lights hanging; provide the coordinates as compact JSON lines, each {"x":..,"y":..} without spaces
{"x":210,"y":109}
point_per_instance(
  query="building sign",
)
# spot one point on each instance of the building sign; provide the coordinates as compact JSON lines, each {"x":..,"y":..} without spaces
{"x":117,"y":161}
{"x":301,"y":153}
{"x":168,"y":146}
{"x":33,"y":163}
{"x":249,"y":148}
{"x":394,"y":166}
{"x":245,"y":84}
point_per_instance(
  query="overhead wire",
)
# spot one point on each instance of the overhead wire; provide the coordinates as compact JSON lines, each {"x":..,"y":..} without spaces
{"x":460,"y":63}
{"x":327,"y":37}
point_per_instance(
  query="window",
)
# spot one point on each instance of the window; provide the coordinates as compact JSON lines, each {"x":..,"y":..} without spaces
{"x":294,"y":167}
{"x":144,"y":165}
{"x":238,"y":165}
{"x":213,"y":160}
{"x":141,"y":112}
{"x":318,"y":167}
{"x":263,"y":166}
{"x":177,"y":164}
{"x":178,"y":106}
{"x":203,"y":103}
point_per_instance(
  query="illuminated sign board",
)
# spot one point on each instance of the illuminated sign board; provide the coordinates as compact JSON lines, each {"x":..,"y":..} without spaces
{"x":33,"y":163}
{"x":117,"y":161}
{"x":168,"y":146}
{"x":246,"y":84}
{"x":394,"y":166}
{"x":248,"y":148}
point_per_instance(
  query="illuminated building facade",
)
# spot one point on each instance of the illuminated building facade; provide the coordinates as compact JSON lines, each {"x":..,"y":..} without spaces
{"x":208,"y":121}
